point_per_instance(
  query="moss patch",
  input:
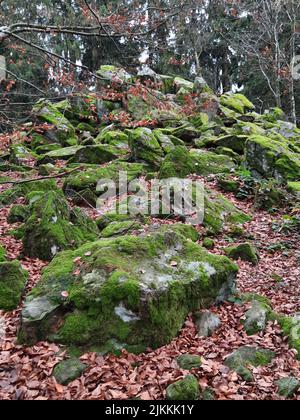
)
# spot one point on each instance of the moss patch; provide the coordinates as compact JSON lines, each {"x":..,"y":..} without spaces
{"x":12,"y":282}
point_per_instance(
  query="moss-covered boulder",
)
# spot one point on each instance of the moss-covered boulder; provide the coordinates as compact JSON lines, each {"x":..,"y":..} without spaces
{"x":128,"y":292}
{"x":68,"y":370}
{"x":180,"y":162}
{"x":186,"y":389}
{"x":291,"y":329}
{"x":177,"y":164}
{"x":18,"y":214}
{"x":234,"y":142}
{"x":97,"y":154}
{"x":219,"y":212}
{"x":208,"y":163}
{"x":145,"y":147}
{"x":115,"y":138}
{"x":53,"y":226}
{"x":181,"y":83}
{"x":64,"y":153}
{"x":12,"y":283}
{"x":243,"y":358}
{"x":237,"y":102}
{"x":287,"y":387}
{"x":50,"y":113}
{"x":257,"y":317}
{"x":90,"y":175}
{"x":120,"y":228}
{"x":270,"y":158}
{"x":20,"y":154}
{"x":245,"y":252}
{"x":21,"y":190}
{"x":111,"y":74}
{"x":189,"y":361}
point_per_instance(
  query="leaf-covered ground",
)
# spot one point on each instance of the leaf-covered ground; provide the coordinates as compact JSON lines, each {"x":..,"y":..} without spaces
{"x":26,"y":372}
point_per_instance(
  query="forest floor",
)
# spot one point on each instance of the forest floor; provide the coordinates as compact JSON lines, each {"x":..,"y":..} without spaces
{"x":26,"y":372}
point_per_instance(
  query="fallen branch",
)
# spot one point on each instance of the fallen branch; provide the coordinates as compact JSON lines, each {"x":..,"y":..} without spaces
{"x":24,"y":181}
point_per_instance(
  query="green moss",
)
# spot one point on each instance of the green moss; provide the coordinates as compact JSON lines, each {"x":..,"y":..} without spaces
{"x":246,"y":356}
{"x":208,"y":243}
{"x":97,"y":154}
{"x":177,"y":164}
{"x":12,"y":283}
{"x":52,"y":114}
{"x":89,"y":177}
{"x":18,"y":214}
{"x":184,"y":389}
{"x":189,"y":361}
{"x":120,"y":228}
{"x":145,"y":147}
{"x":2,"y":254}
{"x":245,"y":252}
{"x":228,"y":185}
{"x":272,"y":158}
{"x":21,"y":190}
{"x":287,"y":387}
{"x":53,"y":226}
{"x":68,"y":370}
{"x":218,"y":211}
{"x":237,"y":102}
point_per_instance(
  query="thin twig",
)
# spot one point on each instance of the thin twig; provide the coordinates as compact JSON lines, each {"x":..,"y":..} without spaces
{"x":42,"y":177}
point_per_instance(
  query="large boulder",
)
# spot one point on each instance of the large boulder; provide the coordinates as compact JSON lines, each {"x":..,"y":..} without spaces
{"x":53,"y":226}
{"x":63,"y":131}
{"x":90,"y":175}
{"x":129,"y":292}
{"x":145,"y":147}
{"x":12,"y":283}
{"x":180,"y":163}
{"x":270,"y":158}
{"x":99,"y":154}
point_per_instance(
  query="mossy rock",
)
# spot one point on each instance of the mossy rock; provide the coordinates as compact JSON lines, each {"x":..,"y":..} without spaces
{"x":52,"y":226}
{"x":218,"y":212}
{"x":181,"y":83}
{"x":97,"y":154}
{"x":245,"y":252}
{"x":165,"y":141}
{"x":50,"y":113}
{"x":257,"y":317}
{"x":89,"y":176}
{"x":18,"y":214}
{"x":189,"y":361}
{"x":114,"y":138}
{"x":21,"y":190}
{"x":237,"y":102}
{"x":208,"y":163}
{"x":135,"y":291}
{"x":208,"y":243}
{"x":68,"y":370}
{"x":120,"y":228}
{"x":145,"y":147}
{"x":245,"y":357}
{"x":291,"y":329}
{"x":270,"y":196}
{"x":186,"y":389}
{"x":270,"y":158}
{"x":20,"y":153}
{"x":2,"y":254}
{"x":180,"y":162}
{"x":177,"y":164}
{"x":12,"y":283}
{"x":287,"y":387}
{"x":234,"y":142}
{"x":64,"y":153}
{"x":228,"y":185}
